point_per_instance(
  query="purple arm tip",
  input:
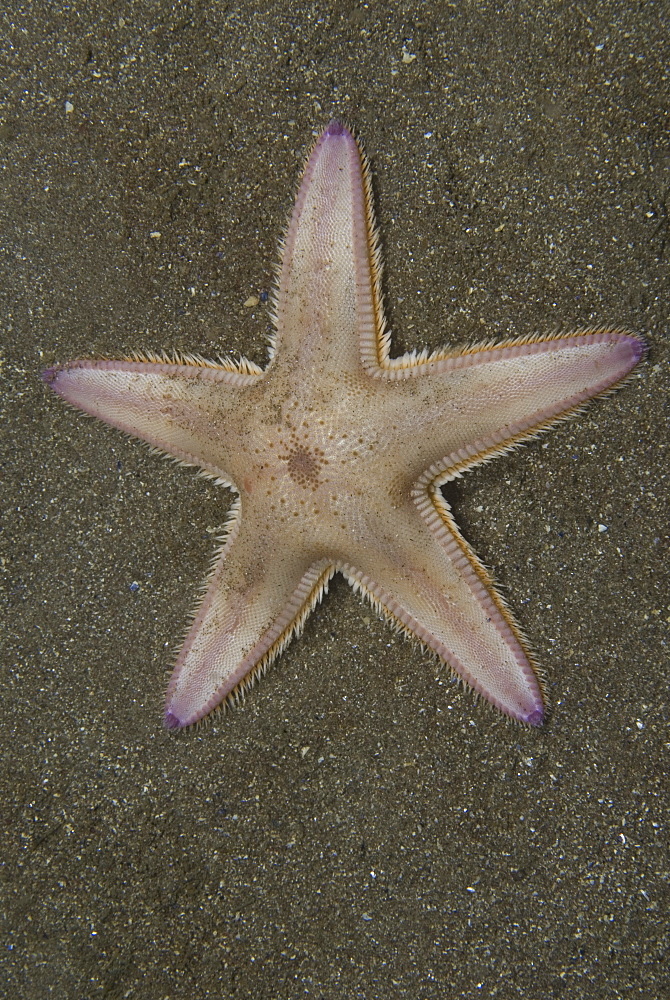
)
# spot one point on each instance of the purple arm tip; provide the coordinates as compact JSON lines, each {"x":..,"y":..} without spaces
{"x":171,"y":721}
{"x":335,"y":128}
{"x":535,"y":718}
{"x":639,"y":349}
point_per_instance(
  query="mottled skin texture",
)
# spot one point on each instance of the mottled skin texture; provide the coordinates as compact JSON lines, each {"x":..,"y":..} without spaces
{"x":337,"y":453}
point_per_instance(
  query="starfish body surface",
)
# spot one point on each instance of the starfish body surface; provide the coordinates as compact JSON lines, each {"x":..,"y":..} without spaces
{"x":337,"y":453}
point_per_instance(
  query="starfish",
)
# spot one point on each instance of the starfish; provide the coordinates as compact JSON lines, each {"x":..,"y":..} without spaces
{"x":337,"y":452}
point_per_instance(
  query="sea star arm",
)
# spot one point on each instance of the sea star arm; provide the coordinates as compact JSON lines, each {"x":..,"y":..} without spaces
{"x":187,"y":410}
{"x":327,"y":306}
{"x":476,"y":404}
{"x":426,"y":578}
{"x":468,"y":408}
{"x":251,"y":609}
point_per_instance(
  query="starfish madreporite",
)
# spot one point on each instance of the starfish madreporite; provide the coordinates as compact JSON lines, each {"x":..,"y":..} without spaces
{"x":337,"y":453}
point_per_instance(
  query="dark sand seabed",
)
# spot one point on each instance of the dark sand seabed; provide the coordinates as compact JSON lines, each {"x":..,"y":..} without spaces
{"x":359,"y":828}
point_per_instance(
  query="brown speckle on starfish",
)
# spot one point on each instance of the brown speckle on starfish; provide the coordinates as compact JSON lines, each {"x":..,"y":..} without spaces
{"x":337,"y":453}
